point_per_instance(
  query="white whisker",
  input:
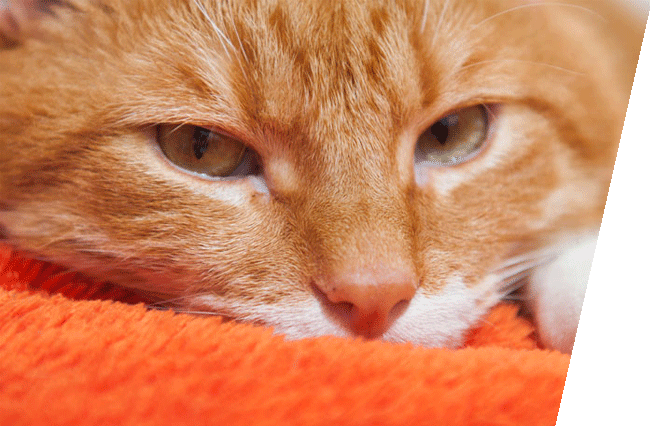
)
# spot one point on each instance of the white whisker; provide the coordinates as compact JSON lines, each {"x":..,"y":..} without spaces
{"x":241,"y":46}
{"x":177,"y":304}
{"x":513,"y":267}
{"x":513,"y":283}
{"x":524,"y":6}
{"x":425,"y":14}
{"x":225,"y":42}
{"x":512,"y":274}
{"x":543,"y":254}
{"x":171,"y":301}
{"x":441,"y":18}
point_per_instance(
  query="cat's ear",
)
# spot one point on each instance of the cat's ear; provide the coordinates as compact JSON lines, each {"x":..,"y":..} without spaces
{"x":19,"y":18}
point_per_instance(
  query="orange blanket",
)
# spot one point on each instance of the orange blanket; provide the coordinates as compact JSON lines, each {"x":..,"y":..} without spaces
{"x":71,"y":355}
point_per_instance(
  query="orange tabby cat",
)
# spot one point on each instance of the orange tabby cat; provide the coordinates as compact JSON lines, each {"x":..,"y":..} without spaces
{"x":389,"y":169}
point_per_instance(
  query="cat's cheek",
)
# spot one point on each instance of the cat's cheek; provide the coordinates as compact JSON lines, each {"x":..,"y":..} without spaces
{"x":556,"y":293}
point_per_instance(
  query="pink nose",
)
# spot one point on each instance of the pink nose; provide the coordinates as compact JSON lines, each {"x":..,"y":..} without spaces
{"x":368,"y":300}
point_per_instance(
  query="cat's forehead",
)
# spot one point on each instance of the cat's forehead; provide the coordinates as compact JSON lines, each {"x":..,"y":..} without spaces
{"x":323,"y":62}
{"x":351,"y":67}
{"x":309,"y":69}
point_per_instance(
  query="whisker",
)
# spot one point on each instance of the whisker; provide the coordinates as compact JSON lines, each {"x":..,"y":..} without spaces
{"x":440,"y":20}
{"x":241,"y":46}
{"x":175,"y":129}
{"x":192,"y":312}
{"x":153,"y":307}
{"x":521,"y":266}
{"x":515,"y":297}
{"x":512,"y":274}
{"x":160,"y":306}
{"x":425,"y":14}
{"x":225,"y":42}
{"x":513,"y":284}
{"x":527,"y":257}
{"x":524,"y":6}
{"x":174,"y":300}
{"x":556,"y":67}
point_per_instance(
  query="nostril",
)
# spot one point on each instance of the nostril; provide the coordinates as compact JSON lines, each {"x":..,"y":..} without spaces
{"x":400,"y":307}
{"x":367,"y":301}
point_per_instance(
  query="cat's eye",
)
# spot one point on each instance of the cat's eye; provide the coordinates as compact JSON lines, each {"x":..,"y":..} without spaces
{"x":454,"y":138}
{"x":201,"y":150}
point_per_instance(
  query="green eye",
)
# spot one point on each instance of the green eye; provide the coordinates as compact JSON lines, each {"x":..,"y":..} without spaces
{"x":200,"y":150}
{"x":454,"y":138}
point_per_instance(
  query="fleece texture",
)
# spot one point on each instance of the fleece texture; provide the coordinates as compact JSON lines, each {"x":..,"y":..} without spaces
{"x":77,"y":352}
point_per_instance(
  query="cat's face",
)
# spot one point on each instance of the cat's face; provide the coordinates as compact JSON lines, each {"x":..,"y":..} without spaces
{"x":406,"y":160}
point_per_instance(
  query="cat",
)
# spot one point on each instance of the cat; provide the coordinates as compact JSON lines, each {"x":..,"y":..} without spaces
{"x":374,"y":168}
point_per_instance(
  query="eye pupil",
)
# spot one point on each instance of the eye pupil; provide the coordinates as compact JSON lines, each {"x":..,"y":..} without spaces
{"x":201,"y":142}
{"x":454,"y":138}
{"x":440,"y":131}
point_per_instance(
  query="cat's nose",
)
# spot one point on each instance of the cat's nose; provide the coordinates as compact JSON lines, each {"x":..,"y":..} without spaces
{"x":368,"y":300}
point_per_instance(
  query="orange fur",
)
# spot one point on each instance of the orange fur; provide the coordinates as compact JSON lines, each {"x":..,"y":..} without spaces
{"x":332,"y":96}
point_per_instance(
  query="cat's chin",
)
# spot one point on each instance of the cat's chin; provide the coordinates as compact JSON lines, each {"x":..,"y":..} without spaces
{"x":437,"y":320}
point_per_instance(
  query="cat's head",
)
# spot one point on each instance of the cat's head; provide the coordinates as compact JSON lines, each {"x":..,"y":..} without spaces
{"x":380,"y":168}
